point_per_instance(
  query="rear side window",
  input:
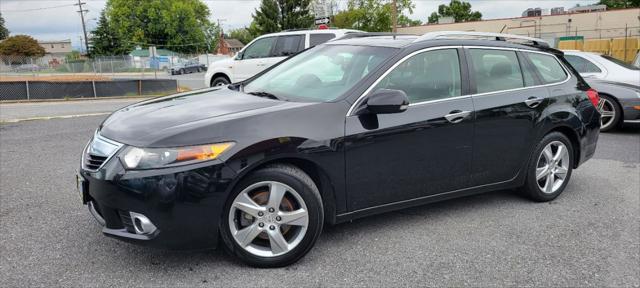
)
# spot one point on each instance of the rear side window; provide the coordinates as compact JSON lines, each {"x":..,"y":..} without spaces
{"x":582,"y":65}
{"x":288,"y":45}
{"x":427,"y":76}
{"x":315,"y":39}
{"x":548,"y":67}
{"x":496,"y":70}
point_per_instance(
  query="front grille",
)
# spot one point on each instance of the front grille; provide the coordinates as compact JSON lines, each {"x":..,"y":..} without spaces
{"x":93,"y":162}
{"x":98,"y":151}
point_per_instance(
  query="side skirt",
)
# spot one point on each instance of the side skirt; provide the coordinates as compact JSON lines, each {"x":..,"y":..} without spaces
{"x":509,"y":184}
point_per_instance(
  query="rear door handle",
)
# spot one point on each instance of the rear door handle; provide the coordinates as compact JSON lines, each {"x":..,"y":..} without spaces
{"x":533,"y":102}
{"x":456,"y":116}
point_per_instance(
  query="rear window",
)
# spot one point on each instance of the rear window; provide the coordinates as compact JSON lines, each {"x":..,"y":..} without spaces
{"x":582,"y":65}
{"x":315,"y":39}
{"x":620,"y":63}
{"x":548,"y":67}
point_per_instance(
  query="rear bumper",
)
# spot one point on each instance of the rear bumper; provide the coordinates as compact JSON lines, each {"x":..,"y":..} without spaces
{"x":183,"y":205}
{"x":629,"y":112}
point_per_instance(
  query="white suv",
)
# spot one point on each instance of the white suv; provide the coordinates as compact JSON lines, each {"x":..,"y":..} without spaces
{"x":265,"y":51}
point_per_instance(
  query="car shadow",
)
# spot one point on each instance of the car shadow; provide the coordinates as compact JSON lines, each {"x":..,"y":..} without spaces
{"x":628,"y":128}
{"x":334,"y":234}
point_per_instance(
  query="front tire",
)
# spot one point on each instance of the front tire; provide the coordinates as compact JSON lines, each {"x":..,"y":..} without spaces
{"x":549,"y":168}
{"x":220,"y":81}
{"x":273,"y":217}
{"x":610,"y":112}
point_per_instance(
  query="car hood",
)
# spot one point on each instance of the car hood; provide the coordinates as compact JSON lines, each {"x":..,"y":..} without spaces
{"x":151,"y":123}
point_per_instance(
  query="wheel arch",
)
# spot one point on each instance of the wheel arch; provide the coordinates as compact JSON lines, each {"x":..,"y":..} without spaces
{"x":315,"y":171}
{"x":617,"y":102}
{"x":573,"y":137}
{"x":216,"y":75}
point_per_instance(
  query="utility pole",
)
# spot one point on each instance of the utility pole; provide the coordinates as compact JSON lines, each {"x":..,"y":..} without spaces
{"x":394,"y":16}
{"x":84,"y":28}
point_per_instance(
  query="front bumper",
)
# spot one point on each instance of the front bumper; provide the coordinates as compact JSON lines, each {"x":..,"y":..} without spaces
{"x":183,"y":204}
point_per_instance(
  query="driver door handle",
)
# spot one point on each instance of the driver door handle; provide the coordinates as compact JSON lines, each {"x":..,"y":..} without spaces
{"x":533,"y":102}
{"x":456,"y":116}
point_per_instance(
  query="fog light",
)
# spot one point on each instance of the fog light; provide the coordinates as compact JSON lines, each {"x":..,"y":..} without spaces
{"x":142,"y":224}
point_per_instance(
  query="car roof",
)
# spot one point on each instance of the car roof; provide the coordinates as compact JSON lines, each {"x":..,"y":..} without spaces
{"x":403,"y":41}
{"x":578,"y":52}
{"x":314,"y":31}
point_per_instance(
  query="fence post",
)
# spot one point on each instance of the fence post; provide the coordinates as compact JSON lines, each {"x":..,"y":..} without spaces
{"x":28,"y":93}
{"x":625,"y":42}
{"x":93,"y":83}
{"x":111,"y":62}
{"x":140,"y":87}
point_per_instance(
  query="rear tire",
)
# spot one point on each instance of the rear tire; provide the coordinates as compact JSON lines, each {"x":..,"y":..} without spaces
{"x":254,"y":232}
{"x":550,"y":168}
{"x":611,"y":113}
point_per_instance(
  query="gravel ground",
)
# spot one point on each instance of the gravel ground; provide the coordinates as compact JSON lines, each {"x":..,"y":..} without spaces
{"x":589,"y":236}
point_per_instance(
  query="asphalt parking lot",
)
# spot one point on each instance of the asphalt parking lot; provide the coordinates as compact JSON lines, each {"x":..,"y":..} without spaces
{"x":589,"y":236}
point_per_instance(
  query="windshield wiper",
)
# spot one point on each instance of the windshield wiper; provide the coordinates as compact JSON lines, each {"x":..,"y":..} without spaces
{"x":267,"y":95}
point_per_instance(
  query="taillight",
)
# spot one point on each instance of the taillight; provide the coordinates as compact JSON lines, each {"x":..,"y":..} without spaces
{"x":593,"y":96}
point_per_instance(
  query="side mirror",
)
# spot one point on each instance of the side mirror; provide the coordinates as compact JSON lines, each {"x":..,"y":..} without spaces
{"x":387,"y":101}
{"x":239,"y":55}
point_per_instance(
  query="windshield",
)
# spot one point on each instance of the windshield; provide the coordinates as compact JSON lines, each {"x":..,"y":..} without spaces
{"x":621,"y":63}
{"x":319,"y":74}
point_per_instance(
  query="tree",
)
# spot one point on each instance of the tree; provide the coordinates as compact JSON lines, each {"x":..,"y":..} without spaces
{"x":266,"y":17}
{"x":4,"y":33}
{"x":179,"y":25}
{"x":373,"y":15}
{"x":459,"y":10}
{"x":21,"y":46}
{"x":620,"y":4}
{"x":295,"y":14}
{"x":277,"y":15}
{"x":106,"y":40}
{"x":405,"y":21}
{"x":241,"y":34}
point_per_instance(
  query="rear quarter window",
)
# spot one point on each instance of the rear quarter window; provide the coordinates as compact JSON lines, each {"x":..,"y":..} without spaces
{"x":315,"y":39}
{"x":548,"y":67}
{"x":582,"y":65}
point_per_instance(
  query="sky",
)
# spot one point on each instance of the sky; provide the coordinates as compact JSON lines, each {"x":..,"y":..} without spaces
{"x":58,"y":19}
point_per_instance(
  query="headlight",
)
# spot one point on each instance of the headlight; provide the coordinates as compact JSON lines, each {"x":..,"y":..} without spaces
{"x":145,"y":158}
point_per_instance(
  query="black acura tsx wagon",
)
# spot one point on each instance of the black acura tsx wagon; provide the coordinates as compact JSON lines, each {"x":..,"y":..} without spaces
{"x":349,"y":128}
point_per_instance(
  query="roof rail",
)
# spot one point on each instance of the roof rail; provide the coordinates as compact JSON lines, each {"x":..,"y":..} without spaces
{"x":370,"y":34}
{"x":472,"y":34}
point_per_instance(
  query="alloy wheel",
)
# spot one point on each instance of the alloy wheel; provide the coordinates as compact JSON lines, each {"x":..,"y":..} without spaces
{"x":552,"y":167}
{"x":268,"y":219}
{"x":607,"y":113}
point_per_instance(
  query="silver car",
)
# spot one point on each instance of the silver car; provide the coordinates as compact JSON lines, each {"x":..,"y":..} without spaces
{"x":619,"y":102}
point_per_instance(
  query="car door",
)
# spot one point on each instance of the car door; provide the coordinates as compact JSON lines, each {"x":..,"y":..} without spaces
{"x":253,"y":59}
{"x":423,"y":151}
{"x":508,"y":101}
{"x":286,"y":45}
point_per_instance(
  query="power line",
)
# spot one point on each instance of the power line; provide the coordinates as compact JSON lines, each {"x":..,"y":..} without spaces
{"x":36,"y":9}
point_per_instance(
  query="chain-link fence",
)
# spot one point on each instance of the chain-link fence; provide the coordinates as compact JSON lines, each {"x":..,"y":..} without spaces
{"x":622,"y":43}
{"x":62,"y":76}
{"x":52,"y":64}
{"x":40,"y":90}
